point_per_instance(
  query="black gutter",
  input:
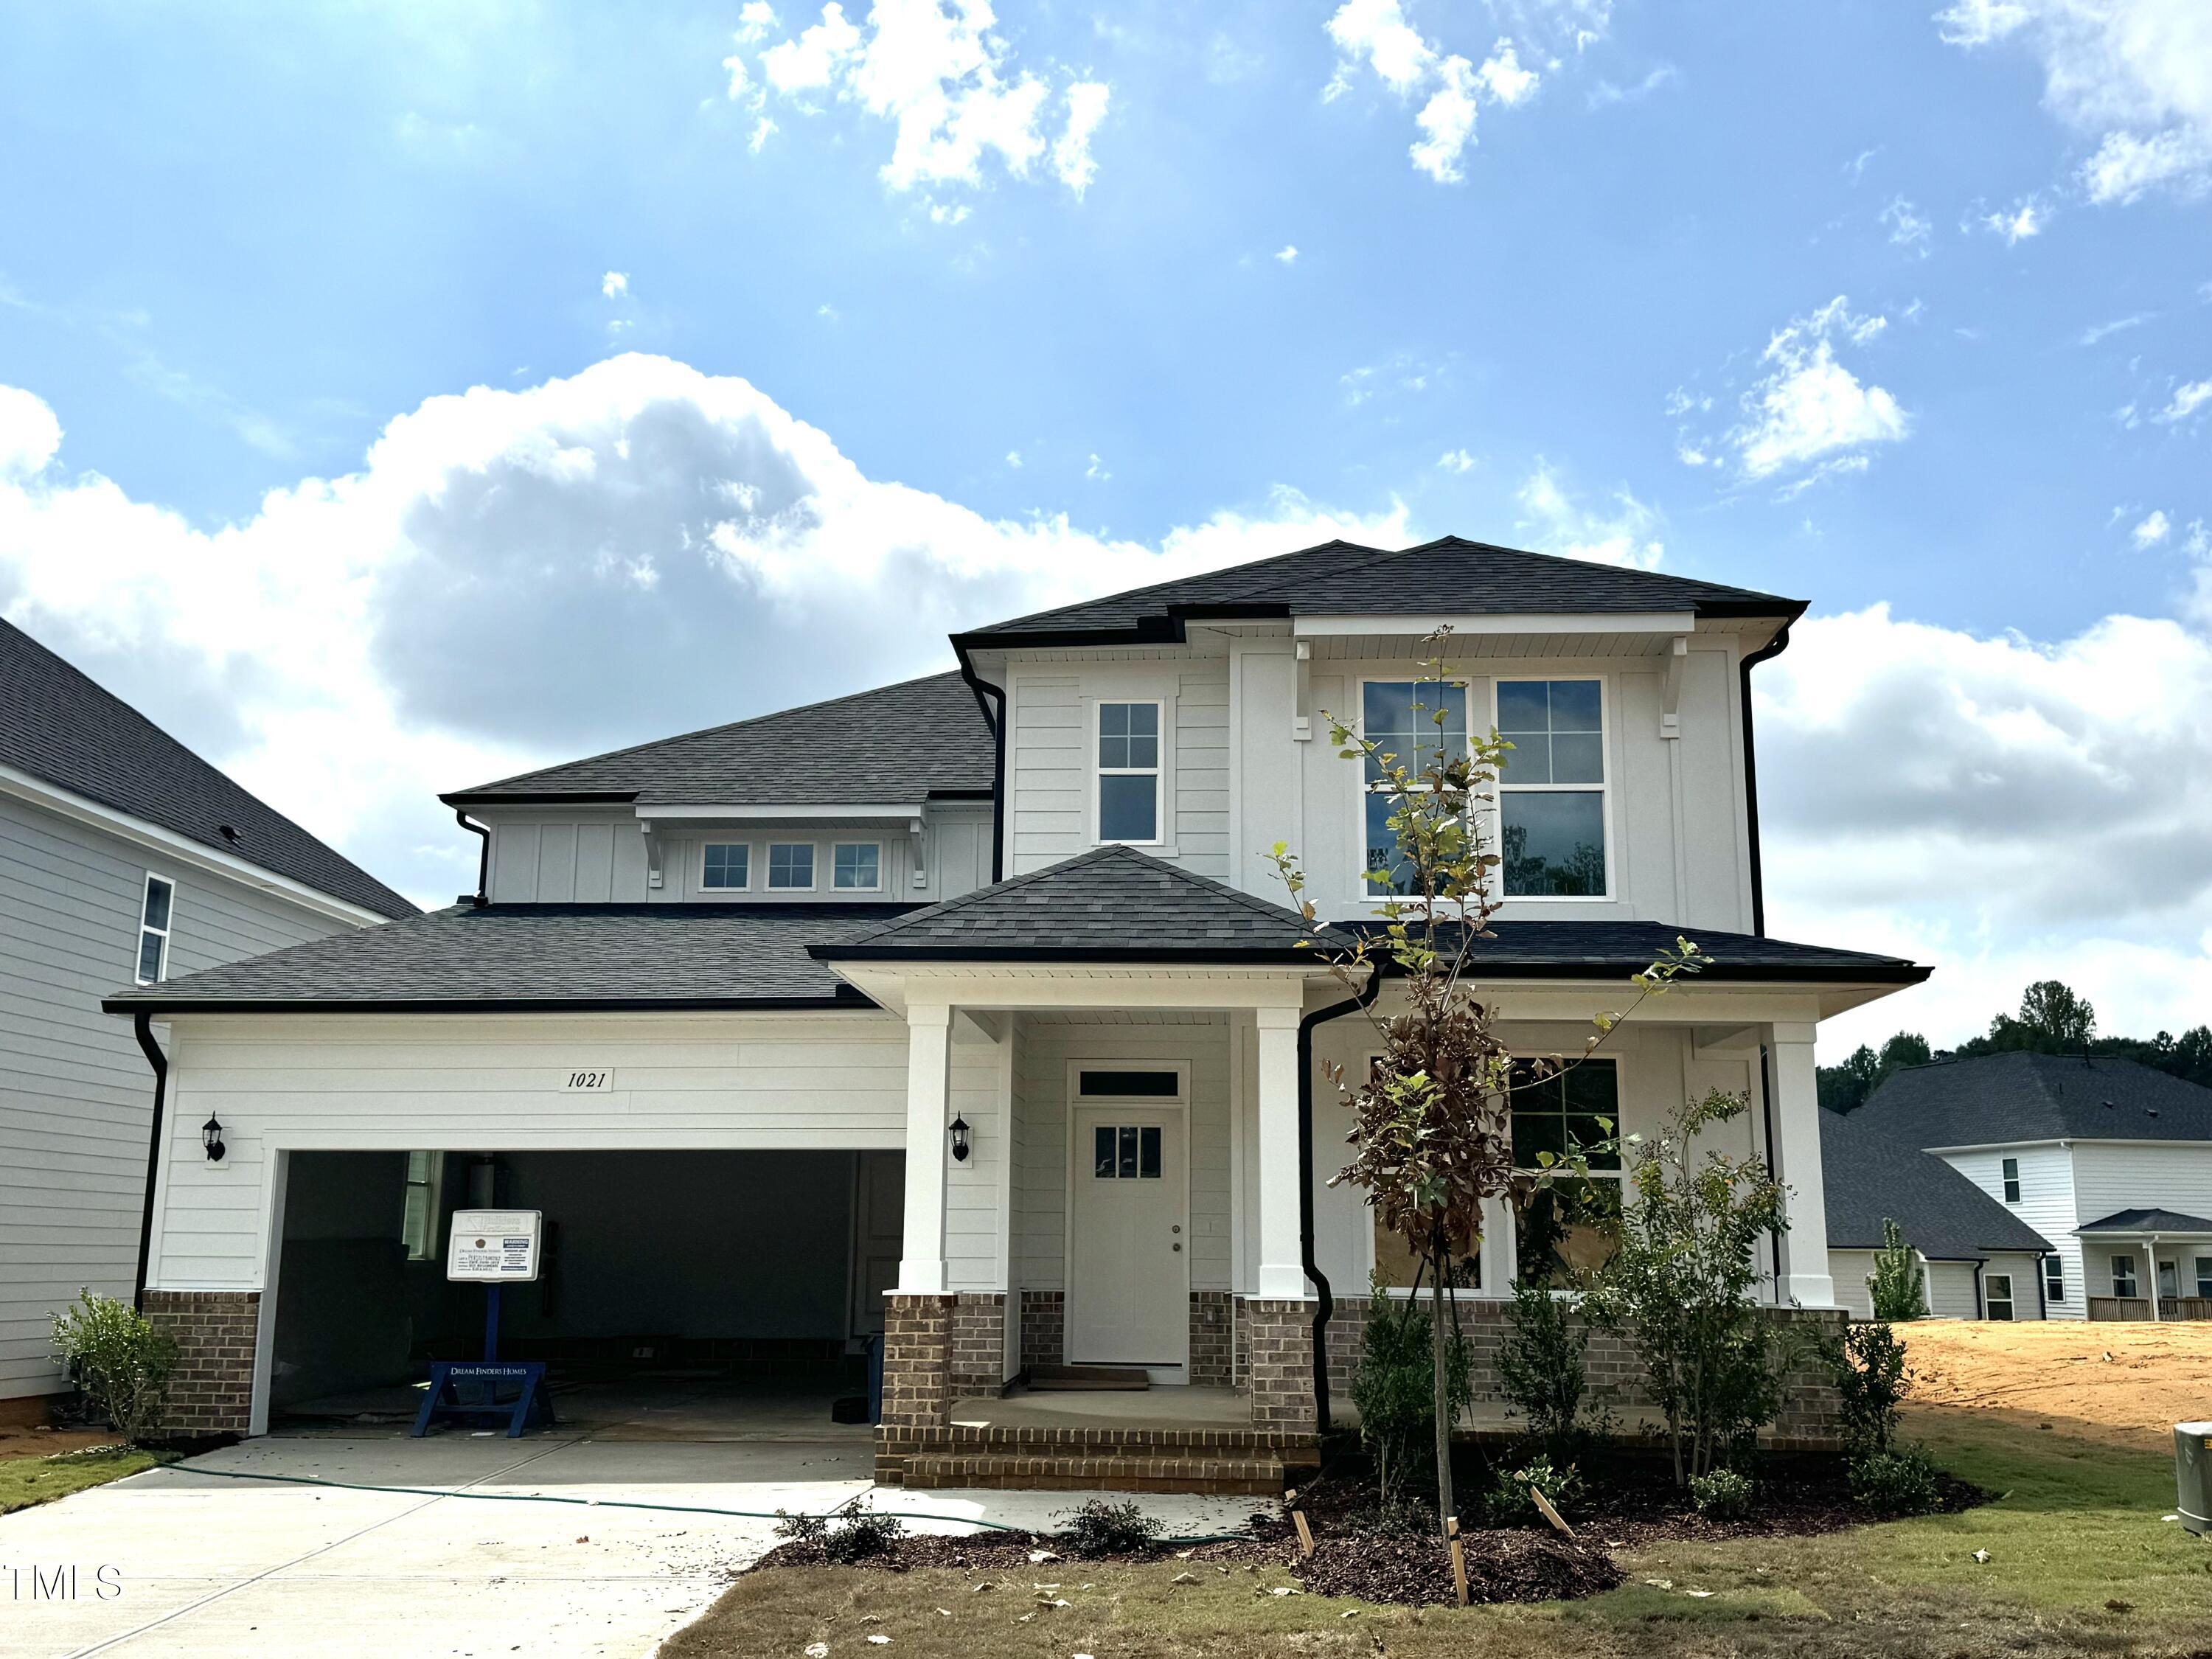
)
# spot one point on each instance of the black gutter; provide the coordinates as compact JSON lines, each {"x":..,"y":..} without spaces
{"x":1326,"y":1305}
{"x":845,"y":997}
{"x":483,"y":856}
{"x":143,"y":1025}
{"x":544,"y":798}
{"x":891,"y":956}
{"x":997,"y":722}
{"x":1773,"y":647}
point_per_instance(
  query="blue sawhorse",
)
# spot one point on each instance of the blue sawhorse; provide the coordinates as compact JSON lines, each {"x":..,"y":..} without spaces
{"x":477,"y":1385}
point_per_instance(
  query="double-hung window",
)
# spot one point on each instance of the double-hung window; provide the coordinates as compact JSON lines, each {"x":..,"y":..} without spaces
{"x":791,"y":867}
{"x":1551,"y":788}
{"x":857,"y":866}
{"x":1398,"y":719}
{"x":728,"y":867}
{"x":2124,"y":1276}
{"x":2012,"y":1180}
{"x":154,"y":909}
{"x":1129,"y":772}
{"x":1563,"y":1230}
{"x":2205,"y":1275}
{"x":2054,"y":1280}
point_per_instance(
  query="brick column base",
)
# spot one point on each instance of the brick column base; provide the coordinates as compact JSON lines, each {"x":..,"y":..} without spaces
{"x":978,"y":1357}
{"x":1212,"y":1321}
{"x":1280,"y":1344}
{"x":215,"y":1332}
{"x":1044,"y":1328}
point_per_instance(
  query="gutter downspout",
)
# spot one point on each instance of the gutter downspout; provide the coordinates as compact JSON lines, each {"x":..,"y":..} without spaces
{"x":2042,"y":1286}
{"x":1981,"y":1301}
{"x":483,"y":856}
{"x":1773,"y":647}
{"x":1326,"y":1303}
{"x":142,"y":1025}
{"x":997,"y":722}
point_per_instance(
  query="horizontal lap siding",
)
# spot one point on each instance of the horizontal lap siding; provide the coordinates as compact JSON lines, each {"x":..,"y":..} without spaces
{"x":489,"y":1084}
{"x":1951,"y":1290}
{"x":76,"y":1094}
{"x":2046,"y":1204}
{"x":1201,"y":772}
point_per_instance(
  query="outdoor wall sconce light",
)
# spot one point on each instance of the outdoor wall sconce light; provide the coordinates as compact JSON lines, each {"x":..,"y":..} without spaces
{"x":959,"y":1140}
{"x":211,"y":1138}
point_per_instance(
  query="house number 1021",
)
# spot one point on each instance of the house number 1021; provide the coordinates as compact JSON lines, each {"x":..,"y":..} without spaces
{"x":594,"y":1080}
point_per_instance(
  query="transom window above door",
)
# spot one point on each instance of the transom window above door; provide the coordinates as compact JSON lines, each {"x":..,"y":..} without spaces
{"x":1129,"y":771}
{"x":1126,"y":1152}
{"x":1551,"y":788}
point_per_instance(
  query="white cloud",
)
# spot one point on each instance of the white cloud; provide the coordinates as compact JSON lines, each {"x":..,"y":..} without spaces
{"x":1377,"y":34}
{"x":2135,"y":76}
{"x":2186,"y":401}
{"x":938,"y":72}
{"x":755,"y":19}
{"x":1808,"y":410}
{"x":1287,"y":254}
{"x":615,"y":285}
{"x":947,"y":213}
{"x":2025,"y":218}
{"x":1097,"y":471}
{"x":762,"y":129}
{"x":1624,"y":531}
{"x":1014,"y":459}
{"x":2004,"y":808}
{"x":1907,"y":230}
{"x":329,"y":649}
{"x":2093,"y":334}
{"x":2153,"y":530}
{"x":1457,"y":461}
{"x":740,"y":78}
{"x":1605,"y":94}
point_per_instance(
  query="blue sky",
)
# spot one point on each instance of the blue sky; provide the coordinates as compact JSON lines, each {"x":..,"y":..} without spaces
{"x":939,"y":314}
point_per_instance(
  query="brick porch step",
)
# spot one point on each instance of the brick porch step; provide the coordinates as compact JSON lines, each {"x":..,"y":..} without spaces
{"x":1256,"y":1475}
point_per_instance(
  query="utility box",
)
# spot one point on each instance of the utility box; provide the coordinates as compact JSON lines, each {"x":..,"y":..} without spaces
{"x":2192,"y":1475}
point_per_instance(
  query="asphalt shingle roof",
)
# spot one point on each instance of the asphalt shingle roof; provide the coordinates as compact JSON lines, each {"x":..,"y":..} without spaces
{"x":895,"y":744}
{"x":1449,"y":575}
{"x":1869,"y":1175}
{"x":519,"y":957}
{"x":1583,"y":950}
{"x":60,"y":726}
{"x":2147,"y":1221}
{"x":1996,"y":1098}
{"x":1113,"y":904}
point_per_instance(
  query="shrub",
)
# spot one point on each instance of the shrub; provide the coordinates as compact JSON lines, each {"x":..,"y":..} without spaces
{"x":1393,"y":1389}
{"x":1098,"y":1527}
{"x":1872,"y":1376}
{"x":119,"y":1361}
{"x":1901,"y":1482}
{"x":1540,"y":1367}
{"x":1723,"y":1495}
{"x":1896,"y":1285}
{"x":861,"y":1535}
{"x":800,"y":1528}
{"x":1509,"y":1503}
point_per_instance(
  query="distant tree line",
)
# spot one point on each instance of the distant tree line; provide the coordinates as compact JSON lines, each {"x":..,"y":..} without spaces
{"x":2053,"y":1019}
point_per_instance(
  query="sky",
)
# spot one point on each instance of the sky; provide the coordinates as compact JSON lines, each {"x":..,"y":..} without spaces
{"x":397,"y":396}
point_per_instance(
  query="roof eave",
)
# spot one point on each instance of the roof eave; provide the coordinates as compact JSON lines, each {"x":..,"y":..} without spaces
{"x":845,"y":996}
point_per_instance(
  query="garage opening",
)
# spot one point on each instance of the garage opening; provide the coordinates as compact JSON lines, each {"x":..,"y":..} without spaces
{"x":683,"y":1294}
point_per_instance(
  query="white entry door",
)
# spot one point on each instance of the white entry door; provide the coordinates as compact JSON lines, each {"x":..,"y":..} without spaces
{"x":1129,"y":1289}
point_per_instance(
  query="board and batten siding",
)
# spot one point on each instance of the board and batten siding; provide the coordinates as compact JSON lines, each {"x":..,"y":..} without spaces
{"x":76,"y":1094}
{"x":2047,"y":1203}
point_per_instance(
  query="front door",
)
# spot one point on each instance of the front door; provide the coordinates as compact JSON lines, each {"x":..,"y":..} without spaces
{"x":1128,"y":1292}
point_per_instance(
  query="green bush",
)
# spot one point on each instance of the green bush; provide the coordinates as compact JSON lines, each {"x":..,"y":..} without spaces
{"x":119,"y":1361}
{"x":1872,"y":1377}
{"x":1509,"y":1503}
{"x":1098,"y":1527}
{"x":1901,"y":1482}
{"x":1896,"y":1287}
{"x":1540,"y":1367}
{"x":861,"y":1535}
{"x":1394,"y":1389}
{"x":1724,"y":1495}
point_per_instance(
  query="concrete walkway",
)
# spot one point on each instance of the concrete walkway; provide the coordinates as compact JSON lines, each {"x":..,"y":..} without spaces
{"x":208,"y":1565}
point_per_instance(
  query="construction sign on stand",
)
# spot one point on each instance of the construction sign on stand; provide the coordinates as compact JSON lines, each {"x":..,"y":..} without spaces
{"x":494,"y":1247}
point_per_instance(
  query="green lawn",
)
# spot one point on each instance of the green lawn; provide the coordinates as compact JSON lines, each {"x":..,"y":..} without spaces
{"x":2079,"y":1562}
{"x":28,"y":1480}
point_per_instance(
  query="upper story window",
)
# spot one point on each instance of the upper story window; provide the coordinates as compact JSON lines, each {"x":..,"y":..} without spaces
{"x":154,"y":909}
{"x":1551,"y":796}
{"x":857,"y":866}
{"x":1129,"y":771}
{"x":1400,"y":717}
{"x":2011,"y":1181}
{"x":728,"y":867}
{"x":791,"y":867}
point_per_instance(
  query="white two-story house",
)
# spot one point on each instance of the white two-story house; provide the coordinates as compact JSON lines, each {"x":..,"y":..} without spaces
{"x":970,"y":1011}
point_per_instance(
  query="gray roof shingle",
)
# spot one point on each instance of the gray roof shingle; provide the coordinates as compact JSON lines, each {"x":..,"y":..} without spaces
{"x":62,"y":727}
{"x":524,"y":958}
{"x":1993,"y":1099}
{"x":2147,"y":1221}
{"x":1584,"y":949}
{"x":897,"y":744}
{"x":1449,"y":575}
{"x":1869,"y":1175}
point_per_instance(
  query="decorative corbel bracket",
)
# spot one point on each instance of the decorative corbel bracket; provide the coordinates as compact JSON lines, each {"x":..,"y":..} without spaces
{"x":1671,"y":718}
{"x":1302,"y":720}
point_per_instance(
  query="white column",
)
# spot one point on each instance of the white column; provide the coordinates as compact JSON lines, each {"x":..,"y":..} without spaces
{"x":1797,"y":1155}
{"x":928,"y":1084}
{"x":1282,"y":1275}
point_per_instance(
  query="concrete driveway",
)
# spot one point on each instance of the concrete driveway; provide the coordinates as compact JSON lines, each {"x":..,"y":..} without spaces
{"x":201,"y":1562}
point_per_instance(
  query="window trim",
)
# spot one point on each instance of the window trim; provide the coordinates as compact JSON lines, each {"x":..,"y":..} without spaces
{"x":813,"y":868}
{"x":1157,"y":772}
{"x":837,"y":847}
{"x":745,"y":886}
{"x":2054,"y":1278}
{"x":2008,"y":1178}
{"x":2134,"y":1282}
{"x":138,"y":940}
{"x":1607,"y":762}
{"x":2203,"y":1264}
{"x":1361,"y":791}
{"x":1991,"y":1298}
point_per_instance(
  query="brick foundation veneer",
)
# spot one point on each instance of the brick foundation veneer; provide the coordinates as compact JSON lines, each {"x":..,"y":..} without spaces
{"x":1213,"y":1339}
{"x":211,"y":1391}
{"x":1044,"y":1328}
{"x":917,"y":1362}
{"x":978,"y":1354}
{"x":1280,"y":1372}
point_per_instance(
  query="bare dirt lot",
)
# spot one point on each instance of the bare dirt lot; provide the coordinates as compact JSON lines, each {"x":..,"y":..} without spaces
{"x":2125,"y":1385}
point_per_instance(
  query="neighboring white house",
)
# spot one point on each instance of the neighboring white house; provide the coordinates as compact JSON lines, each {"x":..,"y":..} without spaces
{"x":980,"y":991}
{"x":1977,"y":1259}
{"x":123,"y":856}
{"x":2109,"y":1160}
